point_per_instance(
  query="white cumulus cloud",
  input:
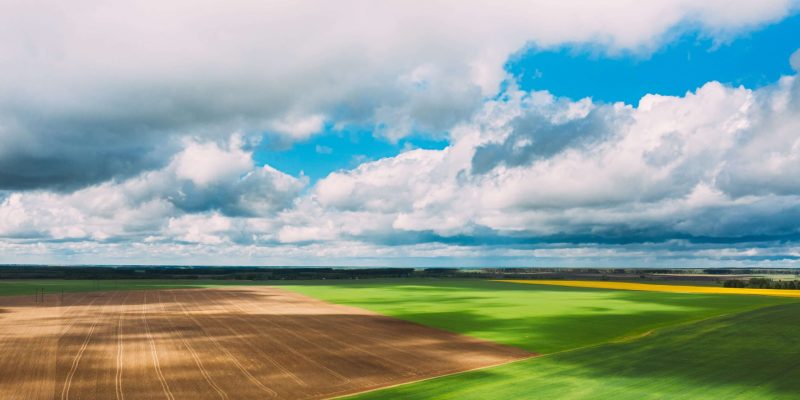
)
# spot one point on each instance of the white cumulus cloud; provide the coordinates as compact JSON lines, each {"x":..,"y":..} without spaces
{"x":124,"y":78}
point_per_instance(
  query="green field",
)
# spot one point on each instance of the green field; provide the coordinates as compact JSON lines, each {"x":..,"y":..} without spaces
{"x":542,"y":319}
{"x":24,"y":287}
{"x":752,"y":355}
{"x":599,"y":344}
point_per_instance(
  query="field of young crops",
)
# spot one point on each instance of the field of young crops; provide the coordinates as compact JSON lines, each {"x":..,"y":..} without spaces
{"x":598,"y":343}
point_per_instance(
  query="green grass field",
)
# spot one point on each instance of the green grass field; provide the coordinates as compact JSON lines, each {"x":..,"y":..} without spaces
{"x":542,"y":319}
{"x":752,"y":355}
{"x":24,"y":287}
{"x":598,"y":344}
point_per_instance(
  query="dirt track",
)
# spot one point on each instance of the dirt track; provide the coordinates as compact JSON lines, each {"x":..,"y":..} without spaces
{"x":232,"y":343}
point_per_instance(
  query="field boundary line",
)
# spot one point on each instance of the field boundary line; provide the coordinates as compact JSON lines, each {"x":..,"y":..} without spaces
{"x":385,"y":343}
{"x":341,"y":396}
{"x":377,"y":341}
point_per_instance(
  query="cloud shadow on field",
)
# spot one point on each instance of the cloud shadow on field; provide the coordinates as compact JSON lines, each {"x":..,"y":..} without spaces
{"x":750,"y":355}
{"x":745,"y":351}
{"x":548,"y":334}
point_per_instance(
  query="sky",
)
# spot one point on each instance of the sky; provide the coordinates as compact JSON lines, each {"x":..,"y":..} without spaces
{"x":357,"y":133}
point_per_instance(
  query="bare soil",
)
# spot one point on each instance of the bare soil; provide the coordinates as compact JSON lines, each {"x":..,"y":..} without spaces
{"x":229,"y":343}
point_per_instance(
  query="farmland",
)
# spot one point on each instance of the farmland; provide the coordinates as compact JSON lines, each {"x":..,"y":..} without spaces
{"x":599,"y":343}
{"x":752,"y":355}
{"x":662,"y":288}
{"x":539,"y":318}
{"x":217,"y":343}
{"x":425,"y":338}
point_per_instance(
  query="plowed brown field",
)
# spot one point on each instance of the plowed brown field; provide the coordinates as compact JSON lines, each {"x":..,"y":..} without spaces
{"x":231,"y":343}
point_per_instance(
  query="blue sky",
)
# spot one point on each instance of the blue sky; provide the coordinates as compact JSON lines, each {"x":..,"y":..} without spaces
{"x":334,"y":150}
{"x":459,"y":133}
{"x":682,"y":64}
{"x":686,"y":60}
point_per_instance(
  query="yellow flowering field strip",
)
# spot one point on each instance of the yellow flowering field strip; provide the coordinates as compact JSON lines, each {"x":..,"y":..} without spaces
{"x":659,"y":288}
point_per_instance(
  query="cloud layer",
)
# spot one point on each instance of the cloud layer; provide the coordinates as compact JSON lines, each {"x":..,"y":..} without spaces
{"x":714,"y":163}
{"x":704,"y":172}
{"x":97,"y":90}
{"x":128,"y":129}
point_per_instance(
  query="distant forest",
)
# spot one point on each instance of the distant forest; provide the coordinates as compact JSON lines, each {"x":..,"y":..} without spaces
{"x":728,"y":277}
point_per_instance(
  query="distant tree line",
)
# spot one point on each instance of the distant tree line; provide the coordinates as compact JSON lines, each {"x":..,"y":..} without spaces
{"x":100,"y":272}
{"x":229,"y":273}
{"x":191,"y":273}
{"x":761,"y":283}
